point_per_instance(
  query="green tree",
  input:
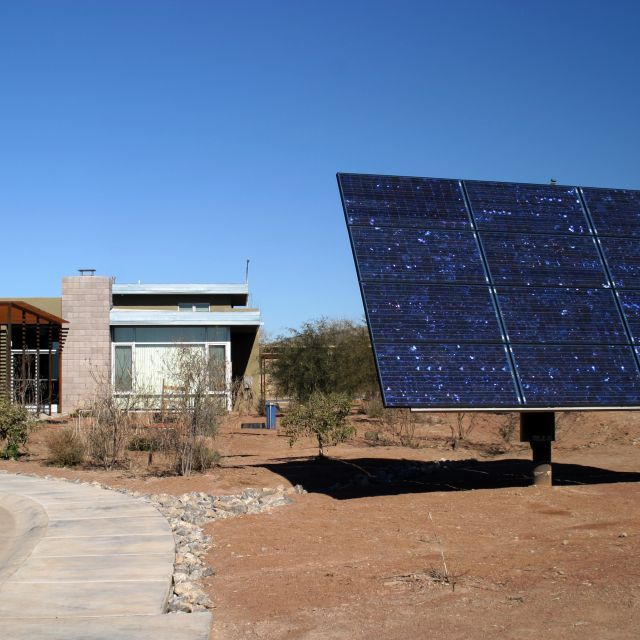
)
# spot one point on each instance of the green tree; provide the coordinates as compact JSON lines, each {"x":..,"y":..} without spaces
{"x":325,"y":356}
{"x":322,"y":416}
{"x":14,"y":428}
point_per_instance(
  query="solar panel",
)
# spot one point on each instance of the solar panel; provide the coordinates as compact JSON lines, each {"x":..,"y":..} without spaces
{"x":577,"y":375}
{"x":543,"y":260}
{"x":430,"y":312}
{"x":555,"y":315}
{"x":498,"y":295}
{"x":623,"y":258}
{"x":615,"y":212}
{"x":404,"y":202}
{"x":385,"y":253}
{"x":445,"y":375}
{"x":500,"y":206}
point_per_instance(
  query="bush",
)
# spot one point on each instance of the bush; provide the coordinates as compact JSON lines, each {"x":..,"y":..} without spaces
{"x":204,"y":458}
{"x":66,"y":448}
{"x":401,"y":425}
{"x":373,"y":407}
{"x":144,"y":443}
{"x":15,"y":423}
{"x":322,"y":416}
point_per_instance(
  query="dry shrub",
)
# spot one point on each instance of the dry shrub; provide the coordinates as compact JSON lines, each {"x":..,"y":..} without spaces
{"x":373,"y":407}
{"x":508,"y":427}
{"x":204,"y":457}
{"x":462,"y":427}
{"x":400,"y":424}
{"x":66,"y":448}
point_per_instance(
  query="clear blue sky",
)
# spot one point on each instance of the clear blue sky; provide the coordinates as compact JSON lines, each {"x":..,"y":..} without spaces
{"x":169,"y":140}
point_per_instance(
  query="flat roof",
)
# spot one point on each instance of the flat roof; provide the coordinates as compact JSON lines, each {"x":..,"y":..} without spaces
{"x":127,"y":317}
{"x":195,"y":289}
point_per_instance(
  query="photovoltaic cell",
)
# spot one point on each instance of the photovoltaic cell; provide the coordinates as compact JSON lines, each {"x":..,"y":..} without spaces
{"x":543,"y":260}
{"x":623,"y":257}
{"x":385,"y":253}
{"x":498,"y":295}
{"x":511,"y":207}
{"x":445,"y":375}
{"x":577,"y":375}
{"x":430,"y":312}
{"x":615,"y":212}
{"x":423,"y":203}
{"x":555,"y":315}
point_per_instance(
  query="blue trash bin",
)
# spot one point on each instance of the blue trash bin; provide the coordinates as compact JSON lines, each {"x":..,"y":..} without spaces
{"x":270,"y":409}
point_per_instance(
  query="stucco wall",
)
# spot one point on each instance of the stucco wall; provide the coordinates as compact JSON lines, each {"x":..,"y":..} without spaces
{"x":86,"y":357}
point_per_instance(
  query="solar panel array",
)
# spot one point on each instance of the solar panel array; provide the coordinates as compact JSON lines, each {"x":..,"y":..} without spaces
{"x":490,"y":295}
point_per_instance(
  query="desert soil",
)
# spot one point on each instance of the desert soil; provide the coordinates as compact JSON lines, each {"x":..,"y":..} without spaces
{"x":461,"y":549}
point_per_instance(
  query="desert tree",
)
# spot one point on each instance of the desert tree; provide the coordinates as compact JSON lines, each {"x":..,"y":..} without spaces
{"x":325,"y":356}
{"x":323,"y":416}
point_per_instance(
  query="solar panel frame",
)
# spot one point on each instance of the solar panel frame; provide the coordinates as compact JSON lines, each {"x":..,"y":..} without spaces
{"x":614,"y":328}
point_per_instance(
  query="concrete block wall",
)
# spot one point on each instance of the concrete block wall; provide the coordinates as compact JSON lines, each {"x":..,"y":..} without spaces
{"x":86,"y":357}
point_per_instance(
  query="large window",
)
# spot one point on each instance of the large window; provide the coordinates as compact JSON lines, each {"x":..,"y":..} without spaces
{"x":144,"y":357}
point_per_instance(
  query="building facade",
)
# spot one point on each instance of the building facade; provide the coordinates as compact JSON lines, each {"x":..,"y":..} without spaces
{"x":126,"y":336}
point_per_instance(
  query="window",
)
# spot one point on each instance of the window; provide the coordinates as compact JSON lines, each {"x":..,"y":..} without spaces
{"x":123,"y":374}
{"x":217,"y":368}
{"x":193,"y":306}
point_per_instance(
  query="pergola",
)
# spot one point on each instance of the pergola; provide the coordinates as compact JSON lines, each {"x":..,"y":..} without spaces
{"x":24,"y":327}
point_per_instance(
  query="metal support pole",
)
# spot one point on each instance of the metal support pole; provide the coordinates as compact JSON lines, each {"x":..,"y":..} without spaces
{"x":9,"y":347}
{"x":538,"y":428}
{"x":23,"y":364}
{"x":49,"y":385}
{"x":37,"y":366}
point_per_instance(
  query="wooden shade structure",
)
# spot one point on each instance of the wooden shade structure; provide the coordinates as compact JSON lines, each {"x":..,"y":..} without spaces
{"x":16,"y":319}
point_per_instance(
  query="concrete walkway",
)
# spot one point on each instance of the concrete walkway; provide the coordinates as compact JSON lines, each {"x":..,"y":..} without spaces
{"x":77,"y":562}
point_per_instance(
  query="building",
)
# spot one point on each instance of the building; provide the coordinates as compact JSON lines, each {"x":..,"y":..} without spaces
{"x":61,"y":349}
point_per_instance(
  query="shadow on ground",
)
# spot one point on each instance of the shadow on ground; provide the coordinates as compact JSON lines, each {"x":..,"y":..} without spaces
{"x":366,"y":477}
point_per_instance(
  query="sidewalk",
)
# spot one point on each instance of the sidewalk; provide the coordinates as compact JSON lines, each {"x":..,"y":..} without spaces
{"x":83,"y":562}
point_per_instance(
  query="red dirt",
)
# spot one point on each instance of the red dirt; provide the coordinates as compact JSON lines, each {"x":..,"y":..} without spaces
{"x":357,"y":560}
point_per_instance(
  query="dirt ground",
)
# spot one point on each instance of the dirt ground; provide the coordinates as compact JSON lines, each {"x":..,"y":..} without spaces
{"x":461,"y":549}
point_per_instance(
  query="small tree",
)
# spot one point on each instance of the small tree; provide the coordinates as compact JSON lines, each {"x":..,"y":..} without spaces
{"x":15,"y":423}
{"x":197,"y":405}
{"x":323,"y":416}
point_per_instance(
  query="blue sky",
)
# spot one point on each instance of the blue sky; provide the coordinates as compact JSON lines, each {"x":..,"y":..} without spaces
{"x":168,"y":141}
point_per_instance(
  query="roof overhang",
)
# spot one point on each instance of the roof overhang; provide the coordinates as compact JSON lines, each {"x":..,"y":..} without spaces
{"x":126,"y":317}
{"x":17,"y":312}
{"x":181,"y":289}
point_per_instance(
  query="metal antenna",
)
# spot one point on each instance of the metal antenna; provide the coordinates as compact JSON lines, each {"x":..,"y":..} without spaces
{"x":246,"y":272}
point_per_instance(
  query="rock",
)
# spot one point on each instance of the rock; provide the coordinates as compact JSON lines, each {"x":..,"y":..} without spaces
{"x":180,"y":577}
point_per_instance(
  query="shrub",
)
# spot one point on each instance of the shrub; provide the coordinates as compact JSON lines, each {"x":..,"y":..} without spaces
{"x":401,"y":425}
{"x":196,"y":411}
{"x":15,"y":423}
{"x":144,"y":443}
{"x":204,"y":457}
{"x":66,"y":448}
{"x":323,"y":416}
{"x":508,"y":428}
{"x":373,"y":407}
